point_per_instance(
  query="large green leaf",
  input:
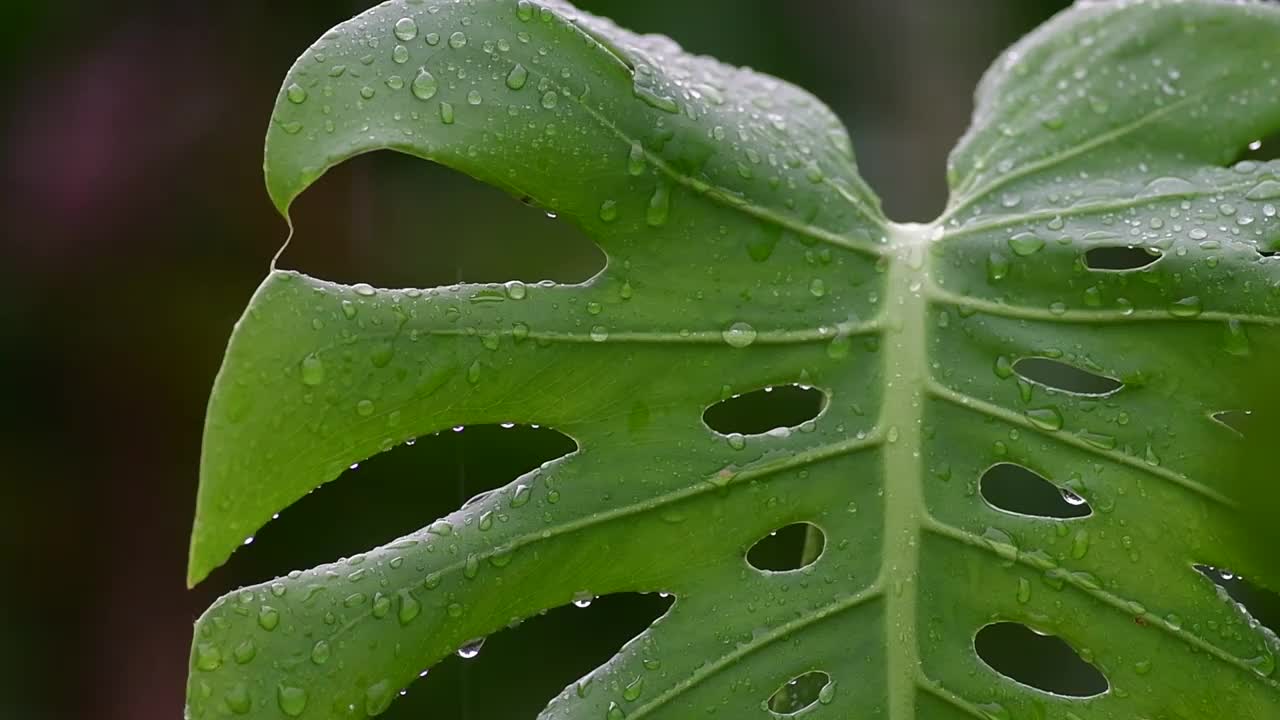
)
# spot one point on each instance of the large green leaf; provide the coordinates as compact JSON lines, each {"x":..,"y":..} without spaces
{"x":743,"y":252}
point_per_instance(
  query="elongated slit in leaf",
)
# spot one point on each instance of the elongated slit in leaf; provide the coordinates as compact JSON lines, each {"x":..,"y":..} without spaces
{"x":1065,"y":377}
{"x":595,"y":630}
{"x":367,"y":220}
{"x":793,"y":547}
{"x":1022,"y":491}
{"x":1256,"y":602}
{"x":1121,"y":258}
{"x":469,"y":462}
{"x":799,"y":694}
{"x":759,"y":411}
{"x":1042,"y":661}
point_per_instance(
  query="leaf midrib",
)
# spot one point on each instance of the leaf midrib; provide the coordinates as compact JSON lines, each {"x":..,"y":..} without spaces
{"x":905,"y":372}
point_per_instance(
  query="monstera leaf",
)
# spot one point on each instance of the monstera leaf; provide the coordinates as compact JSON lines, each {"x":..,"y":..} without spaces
{"x":1081,"y":316}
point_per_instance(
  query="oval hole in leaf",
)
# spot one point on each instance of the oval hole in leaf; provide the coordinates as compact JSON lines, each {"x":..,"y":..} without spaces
{"x":594,"y":632}
{"x":1121,"y":258}
{"x":799,"y":693}
{"x":396,"y":493}
{"x":763,"y":410}
{"x":392,"y":221}
{"x":784,"y":549}
{"x":1241,"y":421}
{"x":1019,"y":490}
{"x":1043,"y":662}
{"x":1064,"y":377}
{"x":1255,"y":601}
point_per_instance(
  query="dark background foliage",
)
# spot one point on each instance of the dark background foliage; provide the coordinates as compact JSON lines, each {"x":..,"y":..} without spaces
{"x":138,"y":228}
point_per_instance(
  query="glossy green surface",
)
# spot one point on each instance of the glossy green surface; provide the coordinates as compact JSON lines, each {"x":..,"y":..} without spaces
{"x":743,"y":252}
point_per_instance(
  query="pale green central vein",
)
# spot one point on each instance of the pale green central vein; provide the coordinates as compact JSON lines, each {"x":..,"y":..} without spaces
{"x":906,"y":374}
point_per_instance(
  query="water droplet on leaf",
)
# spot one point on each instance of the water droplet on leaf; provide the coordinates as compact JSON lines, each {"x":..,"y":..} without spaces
{"x":424,"y":85}
{"x":739,"y":335}
{"x":406,"y":29}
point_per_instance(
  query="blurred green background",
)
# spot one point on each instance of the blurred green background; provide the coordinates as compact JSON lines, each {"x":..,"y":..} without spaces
{"x":139,"y":227}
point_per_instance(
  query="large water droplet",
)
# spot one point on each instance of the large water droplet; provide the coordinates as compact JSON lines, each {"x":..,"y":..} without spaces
{"x":245,"y":652}
{"x":1237,"y":339}
{"x":268,"y":618}
{"x":1080,"y":544}
{"x":636,"y":160}
{"x":659,"y":206}
{"x":633,"y":690}
{"x":406,"y":29}
{"x":1264,"y":664}
{"x":239,"y":701}
{"x":208,"y":657}
{"x":321,"y":652}
{"x":997,"y":267}
{"x":520,"y":497}
{"x":1026,"y":243}
{"x":1048,"y":418}
{"x":643,"y":80}
{"x":409,"y":607}
{"x":378,"y":697}
{"x":424,"y":85}
{"x":518,"y":76}
{"x":292,"y":700}
{"x":609,"y":211}
{"x":739,"y":335}
{"x":1187,"y":307}
{"x":1024,"y":591}
{"x":471,"y":649}
{"x":827,"y":694}
{"x":296,"y":94}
